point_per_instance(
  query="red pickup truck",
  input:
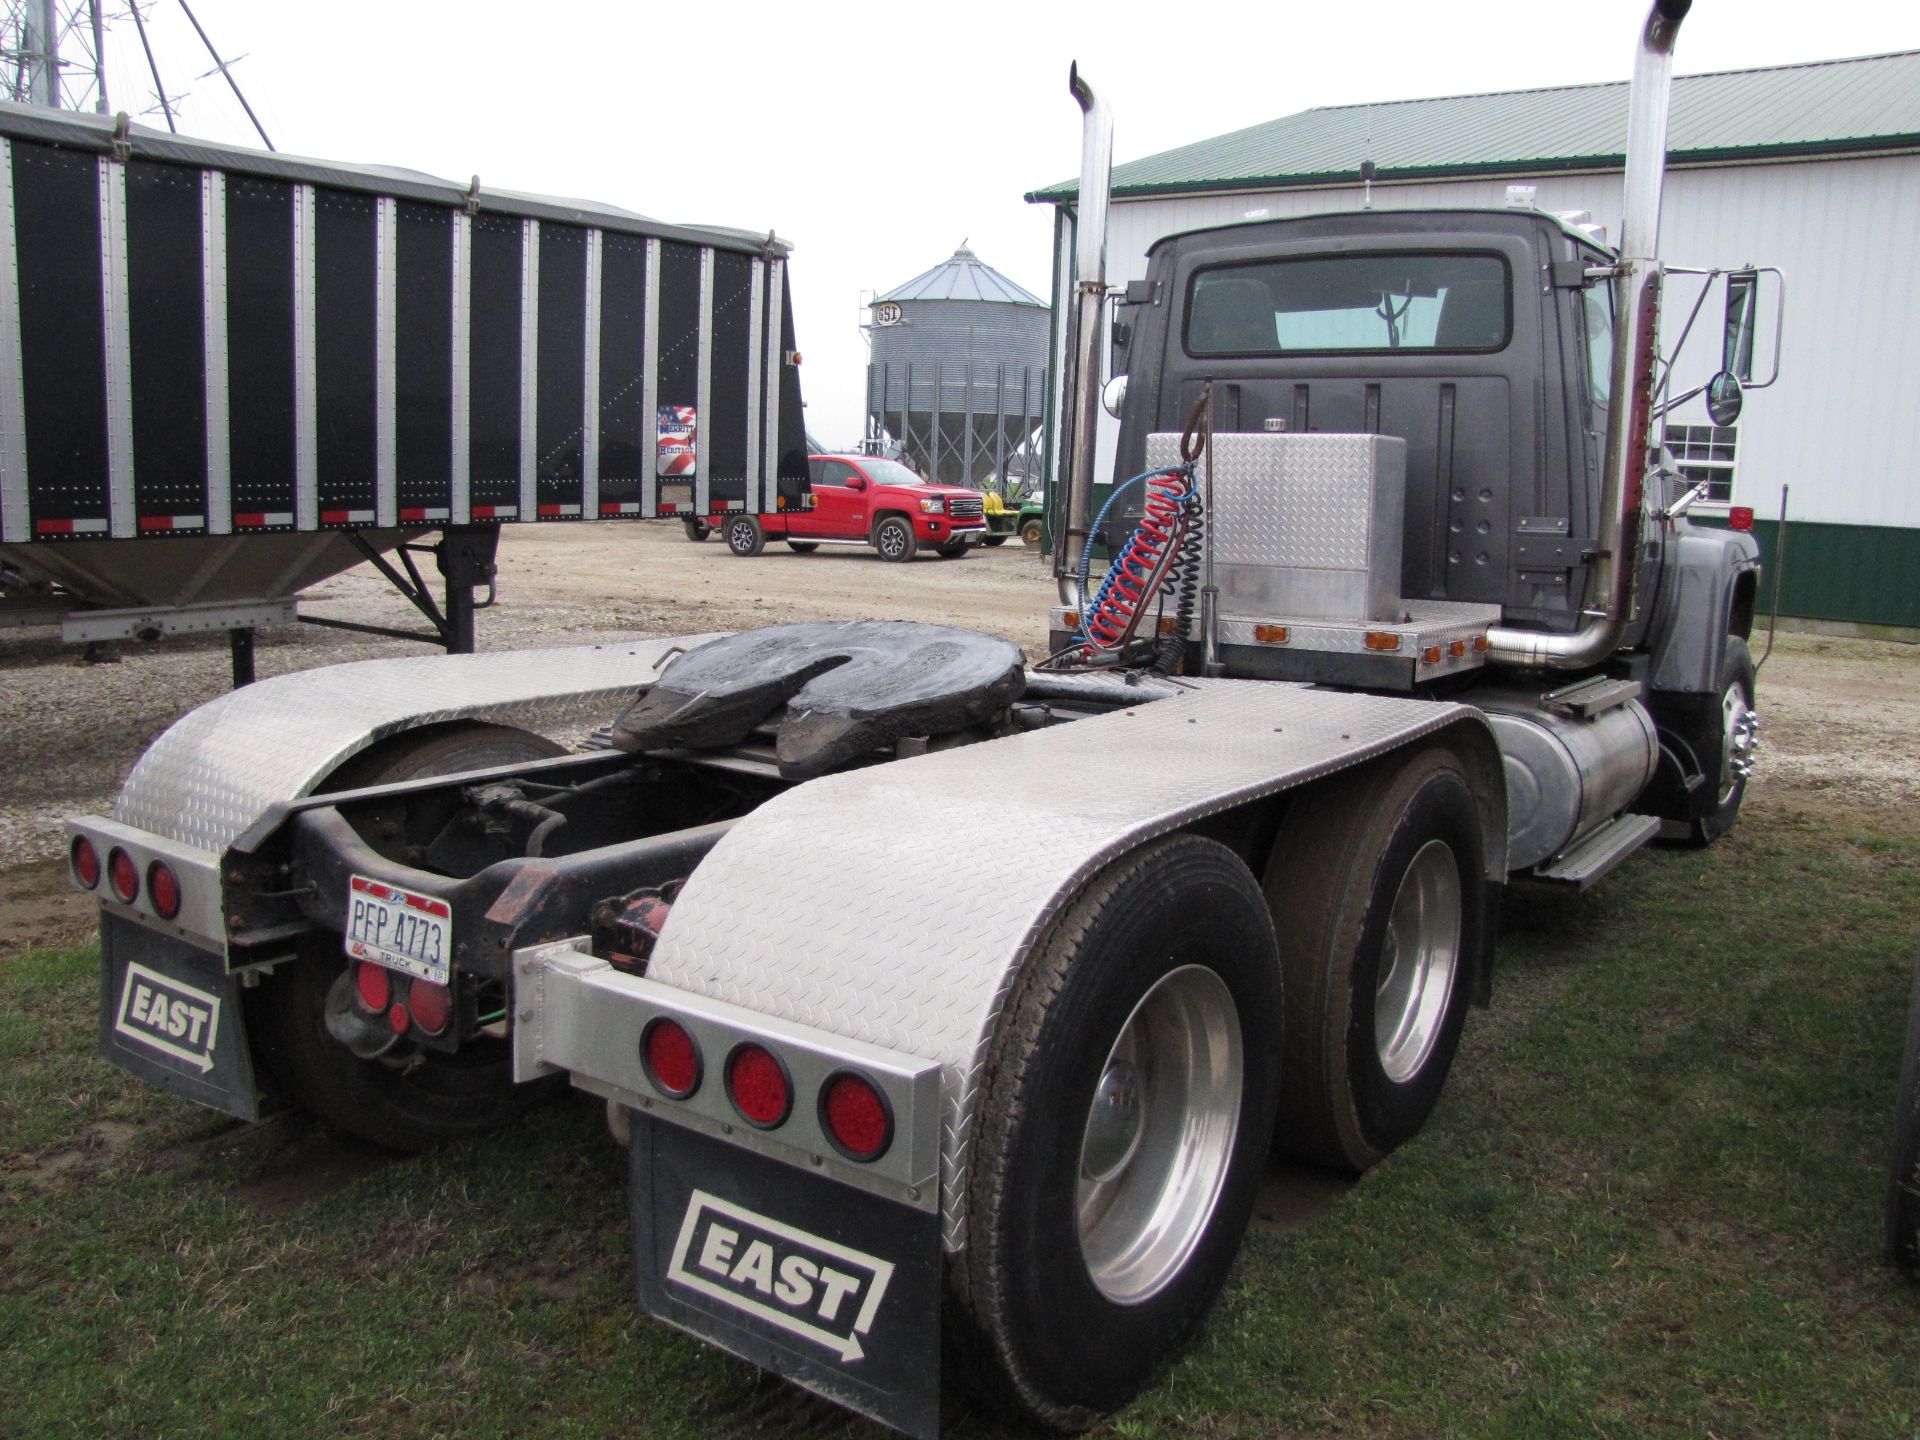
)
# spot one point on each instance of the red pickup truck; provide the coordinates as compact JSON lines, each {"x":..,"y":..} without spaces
{"x":862,"y":500}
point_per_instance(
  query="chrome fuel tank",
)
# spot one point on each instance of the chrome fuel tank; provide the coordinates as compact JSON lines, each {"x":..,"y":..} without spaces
{"x":1571,"y":763}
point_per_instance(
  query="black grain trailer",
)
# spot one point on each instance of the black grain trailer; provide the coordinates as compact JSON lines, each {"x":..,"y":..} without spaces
{"x":227,"y":374}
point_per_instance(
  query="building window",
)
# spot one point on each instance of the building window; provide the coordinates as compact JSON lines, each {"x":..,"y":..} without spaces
{"x":1705,"y":453}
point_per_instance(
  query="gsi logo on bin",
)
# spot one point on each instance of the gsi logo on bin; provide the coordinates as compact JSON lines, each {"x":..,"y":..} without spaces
{"x":166,"y":1015}
{"x":797,"y":1282}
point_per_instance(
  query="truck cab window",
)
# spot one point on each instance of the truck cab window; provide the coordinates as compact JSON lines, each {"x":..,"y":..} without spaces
{"x":1599,"y":315}
{"x":1345,"y":304}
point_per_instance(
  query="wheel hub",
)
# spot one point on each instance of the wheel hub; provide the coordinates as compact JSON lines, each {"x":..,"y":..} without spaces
{"x":1419,"y":956}
{"x":1739,"y":740}
{"x":1159,"y":1135}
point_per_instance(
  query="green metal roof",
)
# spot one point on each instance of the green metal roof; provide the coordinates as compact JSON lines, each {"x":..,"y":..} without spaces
{"x":1829,"y":107}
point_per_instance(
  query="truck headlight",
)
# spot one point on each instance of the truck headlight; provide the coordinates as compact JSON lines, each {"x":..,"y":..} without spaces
{"x":933,"y":506}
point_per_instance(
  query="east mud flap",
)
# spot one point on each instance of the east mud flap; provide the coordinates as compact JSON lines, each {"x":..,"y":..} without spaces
{"x":170,"y":1014}
{"x":833,"y":1288}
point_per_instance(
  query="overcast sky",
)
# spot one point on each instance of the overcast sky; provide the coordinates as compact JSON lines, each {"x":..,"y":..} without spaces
{"x":876,"y":137}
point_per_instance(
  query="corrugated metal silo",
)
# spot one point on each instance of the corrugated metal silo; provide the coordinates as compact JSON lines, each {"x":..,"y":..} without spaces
{"x":958,"y":375}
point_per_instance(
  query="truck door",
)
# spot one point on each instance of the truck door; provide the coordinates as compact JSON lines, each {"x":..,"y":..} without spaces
{"x":838,"y":510}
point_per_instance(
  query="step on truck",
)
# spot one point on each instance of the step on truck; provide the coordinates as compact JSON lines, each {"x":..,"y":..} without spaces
{"x":1341,"y":683}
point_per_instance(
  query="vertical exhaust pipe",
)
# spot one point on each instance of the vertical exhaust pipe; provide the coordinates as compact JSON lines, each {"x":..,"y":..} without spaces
{"x":1081,"y":391}
{"x":1636,"y":326}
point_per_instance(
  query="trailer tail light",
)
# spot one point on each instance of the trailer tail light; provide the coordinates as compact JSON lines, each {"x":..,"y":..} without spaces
{"x":670,"y":1057}
{"x":163,"y":890}
{"x":373,"y":985}
{"x":86,"y":862}
{"x":759,"y":1086}
{"x":1740,"y":517}
{"x":431,"y":1005}
{"x":123,"y":875}
{"x":856,"y":1116}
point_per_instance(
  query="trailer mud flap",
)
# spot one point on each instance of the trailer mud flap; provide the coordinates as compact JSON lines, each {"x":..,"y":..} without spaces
{"x":170,"y":1014}
{"x":833,"y":1288}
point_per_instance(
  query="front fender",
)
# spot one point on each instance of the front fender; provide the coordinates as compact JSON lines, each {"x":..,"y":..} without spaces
{"x":1706,"y":595}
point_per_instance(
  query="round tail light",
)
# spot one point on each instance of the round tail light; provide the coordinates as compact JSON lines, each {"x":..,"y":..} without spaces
{"x":671,"y":1058}
{"x":163,"y":889}
{"x":123,"y":875}
{"x":373,"y":985}
{"x":856,"y":1116}
{"x":398,"y":1018}
{"x":759,"y":1086}
{"x":86,"y":862}
{"x":432,"y":1005}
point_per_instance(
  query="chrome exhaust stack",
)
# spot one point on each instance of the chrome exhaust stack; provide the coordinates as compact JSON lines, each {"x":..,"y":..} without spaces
{"x":1636,"y":327}
{"x":1082,"y":388}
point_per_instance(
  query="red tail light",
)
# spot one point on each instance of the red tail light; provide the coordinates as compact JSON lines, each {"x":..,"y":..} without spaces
{"x":432,"y":1005}
{"x":398,"y":1018}
{"x":123,"y":875}
{"x":856,"y":1116}
{"x":86,"y":862}
{"x":671,"y":1058}
{"x":163,"y":889}
{"x":759,"y":1087}
{"x":1740,"y":517}
{"x":374,"y":986}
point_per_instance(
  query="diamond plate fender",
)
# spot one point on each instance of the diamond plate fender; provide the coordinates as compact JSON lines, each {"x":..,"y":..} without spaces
{"x":217,"y":769}
{"x":834,"y":904}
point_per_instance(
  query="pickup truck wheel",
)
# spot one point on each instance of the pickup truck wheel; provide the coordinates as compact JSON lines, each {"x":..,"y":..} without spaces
{"x":1725,"y":733}
{"x":1120,"y":1133}
{"x":802,"y":547}
{"x":407,"y":1098}
{"x":1380,"y":911}
{"x":1032,"y":532}
{"x":697,"y":530}
{"x":744,"y":536}
{"x":952,"y":552}
{"x":1903,"y":1189}
{"x":893,"y":538}
{"x":991,"y":540}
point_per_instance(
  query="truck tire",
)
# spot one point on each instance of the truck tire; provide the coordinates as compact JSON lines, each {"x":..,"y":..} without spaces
{"x":1903,"y":1187}
{"x":1120,"y":1133}
{"x":409,"y":1098}
{"x":952,"y":552}
{"x":1723,"y":734}
{"x":744,"y":536}
{"x":1032,"y":532}
{"x":803,"y":547}
{"x":1376,"y":886}
{"x":893,"y":538}
{"x":993,"y":540}
{"x":697,"y":530}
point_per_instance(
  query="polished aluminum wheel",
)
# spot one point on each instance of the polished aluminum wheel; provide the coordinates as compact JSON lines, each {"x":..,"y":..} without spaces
{"x":1739,"y":737}
{"x":1159,"y":1135}
{"x":1419,"y":959}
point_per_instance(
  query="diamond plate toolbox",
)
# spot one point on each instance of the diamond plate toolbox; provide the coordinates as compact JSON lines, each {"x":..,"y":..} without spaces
{"x":1303,"y":525}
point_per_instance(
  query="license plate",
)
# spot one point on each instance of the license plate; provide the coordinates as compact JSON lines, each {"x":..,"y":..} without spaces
{"x":399,"y":929}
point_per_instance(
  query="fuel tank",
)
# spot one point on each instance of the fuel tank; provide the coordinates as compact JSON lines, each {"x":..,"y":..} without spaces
{"x":1574,"y":759}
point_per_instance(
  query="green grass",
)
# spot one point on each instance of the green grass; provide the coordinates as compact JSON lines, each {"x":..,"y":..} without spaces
{"x":1650,"y":1204}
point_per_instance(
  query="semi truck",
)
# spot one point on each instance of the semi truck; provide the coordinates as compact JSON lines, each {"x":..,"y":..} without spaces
{"x":1413,"y":611}
{"x":227,"y":374}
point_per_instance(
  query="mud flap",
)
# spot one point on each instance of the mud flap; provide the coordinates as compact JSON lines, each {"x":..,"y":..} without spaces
{"x":170,"y":1014}
{"x":835,"y":1289}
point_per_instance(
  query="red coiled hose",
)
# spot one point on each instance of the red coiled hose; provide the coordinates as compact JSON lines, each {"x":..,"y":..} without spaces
{"x":1137,"y":572}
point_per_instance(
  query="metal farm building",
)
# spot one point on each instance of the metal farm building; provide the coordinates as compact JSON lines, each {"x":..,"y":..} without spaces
{"x":1813,"y":168}
{"x":958,"y":374}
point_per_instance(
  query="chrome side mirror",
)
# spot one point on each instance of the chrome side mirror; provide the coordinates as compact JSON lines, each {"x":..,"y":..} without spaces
{"x":1724,"y":398}
{"x":1114,"y":395}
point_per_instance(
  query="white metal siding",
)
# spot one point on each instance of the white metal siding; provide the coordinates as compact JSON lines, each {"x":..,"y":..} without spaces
{"x":1841,"y":427}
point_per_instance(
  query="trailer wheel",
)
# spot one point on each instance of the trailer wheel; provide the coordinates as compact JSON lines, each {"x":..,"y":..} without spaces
{"x":408,"y":1098}
{"x":1380,"y":912}
{"x":697,"y":530}
{"x":1903,"y":1188}
{"x":803,"y":547}
{"x":893,"y":538}
{"x":1120,"y":1133}
{"x":1032,"y":532}
{"x":744,"y":536}
{"x":1724,"y":733}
